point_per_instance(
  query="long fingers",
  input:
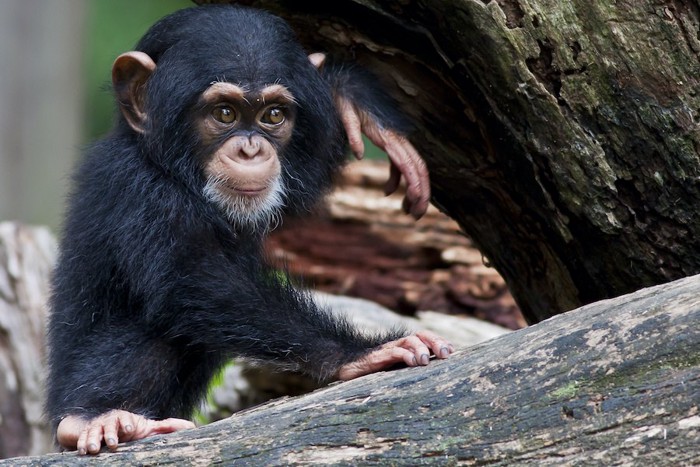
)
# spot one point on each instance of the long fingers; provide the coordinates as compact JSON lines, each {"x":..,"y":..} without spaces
{"x":353,"y":126}
{"x":419,"y":351}
{"x":404,"y":158}
{"x":111,"y":428}
{"x":412,"y":350}
{"x":90,"y":440}
{"x":111,"y":431}
{"x":441,"y":347}
{"x":406,"y":161}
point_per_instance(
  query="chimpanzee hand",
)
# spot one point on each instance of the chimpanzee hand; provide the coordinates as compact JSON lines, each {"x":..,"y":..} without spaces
{"x":404,"y":158}
{"x":112,"y":427}
{"x":412,"y":350}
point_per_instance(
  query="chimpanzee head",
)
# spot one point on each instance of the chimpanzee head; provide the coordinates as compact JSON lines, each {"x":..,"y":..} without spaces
{"x":225,"y":100}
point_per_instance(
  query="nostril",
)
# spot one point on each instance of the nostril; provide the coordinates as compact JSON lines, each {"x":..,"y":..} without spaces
{"x":250,"y":149}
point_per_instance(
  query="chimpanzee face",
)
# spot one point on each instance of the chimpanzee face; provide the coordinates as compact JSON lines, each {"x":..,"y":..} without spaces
{"x":237,"y":115}
{"x":245,"y":132}
{"x":242,"y":130}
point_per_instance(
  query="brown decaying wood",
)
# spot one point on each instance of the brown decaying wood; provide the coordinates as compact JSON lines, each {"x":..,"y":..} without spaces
{"x":362,"y":244}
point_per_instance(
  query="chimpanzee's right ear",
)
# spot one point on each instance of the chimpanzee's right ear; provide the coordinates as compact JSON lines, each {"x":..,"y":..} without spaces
{"x":130,"y":72}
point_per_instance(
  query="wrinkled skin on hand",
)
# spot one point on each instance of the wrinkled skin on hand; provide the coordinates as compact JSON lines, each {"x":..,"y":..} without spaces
{"x":404,"y":158}
{"x":413,"y":350}
{"x":112,"y":428}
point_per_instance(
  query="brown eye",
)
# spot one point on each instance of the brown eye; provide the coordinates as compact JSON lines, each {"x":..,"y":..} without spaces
{"x":224,"y":114}
{"x":273,"y":116}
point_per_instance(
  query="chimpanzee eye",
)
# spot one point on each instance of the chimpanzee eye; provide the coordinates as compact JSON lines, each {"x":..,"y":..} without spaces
{"x":224,"y":114}
{"x":273,"y":116}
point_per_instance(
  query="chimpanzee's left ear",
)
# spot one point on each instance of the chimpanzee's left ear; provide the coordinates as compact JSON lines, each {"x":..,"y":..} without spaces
{"x":130,"y":72}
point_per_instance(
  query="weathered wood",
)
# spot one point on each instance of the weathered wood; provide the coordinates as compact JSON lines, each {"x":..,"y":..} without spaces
{"x":26,"y":257}
{"x":562,"y":135}
{"x":615,"y":382}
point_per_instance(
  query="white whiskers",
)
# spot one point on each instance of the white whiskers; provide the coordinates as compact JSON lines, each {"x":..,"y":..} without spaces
{"x":256,"y":214}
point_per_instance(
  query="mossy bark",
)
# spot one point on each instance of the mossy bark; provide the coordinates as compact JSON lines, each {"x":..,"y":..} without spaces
{"x":562,"y":136}
{"x":614,"y":382}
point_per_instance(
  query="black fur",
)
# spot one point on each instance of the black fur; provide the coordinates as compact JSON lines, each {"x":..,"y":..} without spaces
{"x":154,"y":289}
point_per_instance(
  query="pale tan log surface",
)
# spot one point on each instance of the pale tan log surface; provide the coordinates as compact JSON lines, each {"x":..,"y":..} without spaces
{"x":614,"y":383}
{"x":26,"y":257}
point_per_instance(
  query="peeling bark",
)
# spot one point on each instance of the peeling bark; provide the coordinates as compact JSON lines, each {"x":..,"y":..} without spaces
{"x":26,"y":257}
{"x":615,"y":382}
{"x":562,"y":136}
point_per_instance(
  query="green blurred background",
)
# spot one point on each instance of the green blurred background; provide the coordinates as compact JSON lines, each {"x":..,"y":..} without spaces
{"x":55,"y":97}
{"x":113,"y":27}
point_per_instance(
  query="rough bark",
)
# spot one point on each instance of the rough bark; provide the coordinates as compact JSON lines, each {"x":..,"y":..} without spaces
{"x":26,"y":256}
{"x":613,"y":383}
{"x":562,"y":136}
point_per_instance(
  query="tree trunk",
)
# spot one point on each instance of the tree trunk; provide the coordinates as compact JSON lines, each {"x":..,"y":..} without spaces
{"x":612,"y":383}
{"x":561,"y":136}
{"x":41,"y":105}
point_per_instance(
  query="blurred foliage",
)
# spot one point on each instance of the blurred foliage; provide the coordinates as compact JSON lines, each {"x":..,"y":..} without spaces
{"x":114,"y":27}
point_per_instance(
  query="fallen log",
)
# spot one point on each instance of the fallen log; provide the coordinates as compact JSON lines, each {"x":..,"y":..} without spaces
{"x":617,"y":381}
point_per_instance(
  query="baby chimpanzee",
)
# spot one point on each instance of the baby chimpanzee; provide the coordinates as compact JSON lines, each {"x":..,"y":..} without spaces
{"x":225,"y":126}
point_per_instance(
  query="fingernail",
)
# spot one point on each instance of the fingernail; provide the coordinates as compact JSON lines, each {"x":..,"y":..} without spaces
{"x":424,"y":359}
{"x":92,"y":447}
{"x":82,"y":451}
{"x":128,"y":428}
{"x":111,"y":441}
{"x":415,"y":362}
{"x":444,"y":352}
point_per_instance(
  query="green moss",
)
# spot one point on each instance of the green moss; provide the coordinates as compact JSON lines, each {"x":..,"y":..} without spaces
{"x":568,"y":391}
{"x":642,"y":378}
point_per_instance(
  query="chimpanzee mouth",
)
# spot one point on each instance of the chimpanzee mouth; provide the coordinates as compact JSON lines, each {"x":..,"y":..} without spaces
{"x":250,"y":207}
{"x":248,"y":191}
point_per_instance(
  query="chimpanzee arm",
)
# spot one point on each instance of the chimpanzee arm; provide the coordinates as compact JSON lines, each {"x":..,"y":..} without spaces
{"x":244,"y":309}
{"x":365,"y":108}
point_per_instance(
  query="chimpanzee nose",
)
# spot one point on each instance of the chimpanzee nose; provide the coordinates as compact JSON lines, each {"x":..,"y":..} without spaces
{"x":251,"y":147}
